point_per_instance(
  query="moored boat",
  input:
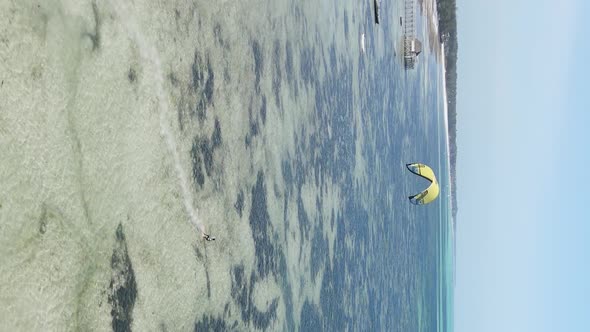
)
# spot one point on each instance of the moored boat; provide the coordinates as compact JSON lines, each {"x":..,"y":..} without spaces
{"x":377,"y":7}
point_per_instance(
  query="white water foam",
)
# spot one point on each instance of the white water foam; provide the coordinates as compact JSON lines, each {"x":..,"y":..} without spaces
{"x":149,"y":54}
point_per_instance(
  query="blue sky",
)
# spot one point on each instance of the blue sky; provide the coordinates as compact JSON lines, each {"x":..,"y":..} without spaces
{"x":523,"y":114}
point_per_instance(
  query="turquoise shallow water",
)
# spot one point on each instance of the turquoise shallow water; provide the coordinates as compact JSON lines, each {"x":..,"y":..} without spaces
{"x":129,"y":128}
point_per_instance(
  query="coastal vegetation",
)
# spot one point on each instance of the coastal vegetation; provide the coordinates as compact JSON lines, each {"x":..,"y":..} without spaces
{"x":447,"y":22}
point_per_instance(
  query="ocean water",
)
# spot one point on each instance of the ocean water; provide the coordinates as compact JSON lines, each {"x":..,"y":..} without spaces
{"x":127,"y":128}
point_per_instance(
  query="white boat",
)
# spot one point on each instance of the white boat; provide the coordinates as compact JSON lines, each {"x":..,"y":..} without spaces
{"x":363,"y":43}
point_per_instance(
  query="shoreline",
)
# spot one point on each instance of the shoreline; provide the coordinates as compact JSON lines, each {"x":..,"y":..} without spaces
{"x":428,"y":10}
{"x":446,"y":119}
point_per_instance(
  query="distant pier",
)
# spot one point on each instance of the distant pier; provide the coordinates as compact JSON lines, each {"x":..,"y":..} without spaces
{"x":412,"y":46}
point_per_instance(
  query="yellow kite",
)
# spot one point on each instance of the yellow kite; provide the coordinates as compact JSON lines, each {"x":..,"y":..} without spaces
{"x":429,"y":194}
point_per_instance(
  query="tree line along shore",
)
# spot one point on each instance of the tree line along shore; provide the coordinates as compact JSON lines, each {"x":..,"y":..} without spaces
{"x":447,"y":23}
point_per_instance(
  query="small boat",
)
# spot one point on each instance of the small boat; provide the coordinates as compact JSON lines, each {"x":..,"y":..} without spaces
{"x":363,"y":43}
{"x":377,"y":6}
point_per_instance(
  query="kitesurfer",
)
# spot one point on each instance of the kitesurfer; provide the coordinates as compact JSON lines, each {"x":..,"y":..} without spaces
{"x":208,"y":237}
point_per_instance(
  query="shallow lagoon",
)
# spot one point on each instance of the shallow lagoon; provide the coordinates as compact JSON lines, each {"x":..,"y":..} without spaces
{"x":125,"y":129}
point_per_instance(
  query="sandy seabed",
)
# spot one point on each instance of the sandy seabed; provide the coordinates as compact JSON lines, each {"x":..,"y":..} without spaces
{"x":125,"y":130}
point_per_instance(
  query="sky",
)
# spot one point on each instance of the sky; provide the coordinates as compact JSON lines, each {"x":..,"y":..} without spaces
{"x":523,"y":111}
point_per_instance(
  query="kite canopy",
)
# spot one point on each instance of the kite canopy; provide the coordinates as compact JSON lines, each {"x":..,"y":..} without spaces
{"x":429,"y":194}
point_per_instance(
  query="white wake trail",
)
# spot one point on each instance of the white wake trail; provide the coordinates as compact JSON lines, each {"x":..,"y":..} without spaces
{"x":149,"y":54}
